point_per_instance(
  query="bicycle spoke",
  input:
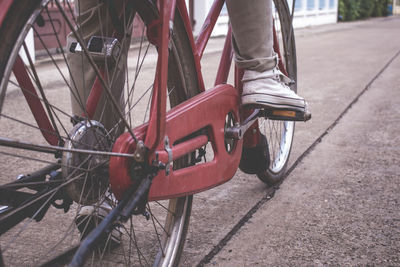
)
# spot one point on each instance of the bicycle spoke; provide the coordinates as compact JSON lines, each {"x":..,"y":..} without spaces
{"x":68,"y":234}
{"x":72,"y":92}
{"x":155,"y":229}
{"x":147,"y":107}
{"x":130,"y":92}
{"x":104,"y":84}
{"x":168,"y":210}
{"x":27,"y":124}
{"x":48,"y":193}
{"x":60,"y":47}
{"x":51,"y":105}
{"x":160,"y":224}
{"x":137,"y":70}
{"x":23,"y":227}
{"x":139,"y":252}
{"x":27,"y":184}
{"x":131,"y":233}
{"x":36,"y":160}
{"x":140,"y":98}
{"x":39,"y":86}
{"x":77,"y":98}
{"x":36,"y":127}
{"x":57,"y":148}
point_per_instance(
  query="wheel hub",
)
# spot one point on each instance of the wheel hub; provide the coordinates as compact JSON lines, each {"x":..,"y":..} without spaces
{"x":89,"y":171}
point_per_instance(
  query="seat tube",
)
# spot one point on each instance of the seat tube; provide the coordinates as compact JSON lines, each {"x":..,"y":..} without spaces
{"x":156,"y":130}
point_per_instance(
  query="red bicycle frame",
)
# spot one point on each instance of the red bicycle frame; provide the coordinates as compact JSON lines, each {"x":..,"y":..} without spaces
{"x":166,"y":134}
{"x":206,"y":111}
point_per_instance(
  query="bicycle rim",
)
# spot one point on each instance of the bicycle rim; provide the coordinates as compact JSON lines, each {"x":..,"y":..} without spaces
{"x":279,"y":134}
{"x":158,"y":239}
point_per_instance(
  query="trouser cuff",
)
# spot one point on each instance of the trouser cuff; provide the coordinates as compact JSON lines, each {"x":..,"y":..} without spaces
{"x":257,"y":64}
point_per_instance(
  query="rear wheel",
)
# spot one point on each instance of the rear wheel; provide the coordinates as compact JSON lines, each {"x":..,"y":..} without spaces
{"x":69,"y":180}
{"x":279,"y":134}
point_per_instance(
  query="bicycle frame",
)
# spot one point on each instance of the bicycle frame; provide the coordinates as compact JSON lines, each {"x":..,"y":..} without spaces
{"x":157,"y":160}
{"x":166,"y":135}
{"x":5,"y":5}
{"x":206,"y":111}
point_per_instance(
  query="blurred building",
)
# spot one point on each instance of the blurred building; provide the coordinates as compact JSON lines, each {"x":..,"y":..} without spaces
{"x":306,"y":13}
{"x":396,"y":6}
{"x":314,"y":12}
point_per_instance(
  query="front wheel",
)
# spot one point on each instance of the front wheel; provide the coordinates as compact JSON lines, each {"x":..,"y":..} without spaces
{"x":279,"y":134}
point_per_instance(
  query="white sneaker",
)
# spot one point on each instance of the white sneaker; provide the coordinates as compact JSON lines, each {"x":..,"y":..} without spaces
{"x":268,"y":90}
{"x":89,"y":217}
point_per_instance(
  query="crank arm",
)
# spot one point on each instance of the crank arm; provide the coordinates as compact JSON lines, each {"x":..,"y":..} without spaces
{"x":237,"y":132}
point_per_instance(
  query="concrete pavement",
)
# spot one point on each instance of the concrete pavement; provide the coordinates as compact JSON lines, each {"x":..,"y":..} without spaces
{"x":340,"y":205}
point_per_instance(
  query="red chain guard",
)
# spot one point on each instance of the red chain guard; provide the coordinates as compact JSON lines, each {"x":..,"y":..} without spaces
{"x":207,"y":110}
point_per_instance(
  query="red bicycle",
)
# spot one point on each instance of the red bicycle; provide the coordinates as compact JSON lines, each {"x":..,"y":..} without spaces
{"x":169,"y":138}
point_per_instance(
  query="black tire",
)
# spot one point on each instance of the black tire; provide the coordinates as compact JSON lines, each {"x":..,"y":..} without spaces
{"x":56,"y":233}
{"x":279,"y":134}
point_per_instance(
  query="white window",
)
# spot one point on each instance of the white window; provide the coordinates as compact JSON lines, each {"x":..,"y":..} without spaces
{"x":298,"y":5}
{"x":322,"y":4}
{"x":310,"y":4}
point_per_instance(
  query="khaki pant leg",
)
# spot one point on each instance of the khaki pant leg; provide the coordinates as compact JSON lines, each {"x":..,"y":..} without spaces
{"x":93,"y":20}
{"x":251,"y":22}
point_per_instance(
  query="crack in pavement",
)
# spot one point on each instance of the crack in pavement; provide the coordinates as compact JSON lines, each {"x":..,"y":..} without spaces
{"x":271,"y":191}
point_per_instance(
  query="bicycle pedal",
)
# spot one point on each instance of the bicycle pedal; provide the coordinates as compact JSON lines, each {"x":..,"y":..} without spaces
{"x":100,"y":47}
{"x":286,"y":115}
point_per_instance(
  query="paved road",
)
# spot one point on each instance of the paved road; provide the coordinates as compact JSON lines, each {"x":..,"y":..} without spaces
{"x":340,"y":205}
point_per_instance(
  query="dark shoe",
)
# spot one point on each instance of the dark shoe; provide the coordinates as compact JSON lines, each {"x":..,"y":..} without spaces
{"x":89,"y":217}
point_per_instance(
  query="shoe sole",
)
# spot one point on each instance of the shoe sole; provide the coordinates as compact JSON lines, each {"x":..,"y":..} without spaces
{"x":274,"y":102}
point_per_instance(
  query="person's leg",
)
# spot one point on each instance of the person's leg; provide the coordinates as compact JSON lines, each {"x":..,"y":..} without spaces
{"x":251,"y":22}
{"x":263,"y":84}
{"x":93,"y":20}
